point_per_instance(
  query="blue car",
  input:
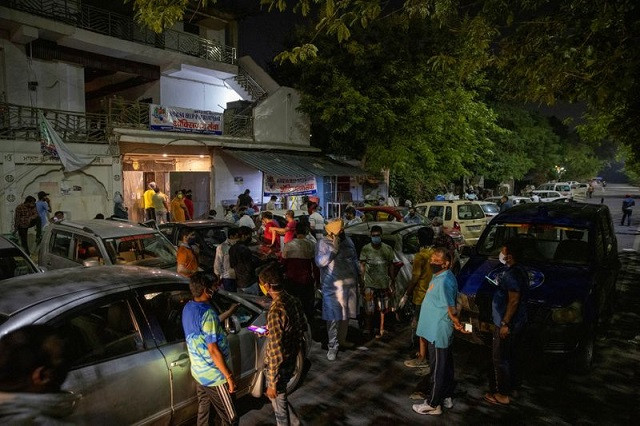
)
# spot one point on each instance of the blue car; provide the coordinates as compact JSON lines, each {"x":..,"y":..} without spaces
{"x":570,"y":253}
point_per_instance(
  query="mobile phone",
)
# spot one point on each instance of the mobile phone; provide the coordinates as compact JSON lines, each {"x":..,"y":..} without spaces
{"x":257,"y":330}
{"x":494,"y":282}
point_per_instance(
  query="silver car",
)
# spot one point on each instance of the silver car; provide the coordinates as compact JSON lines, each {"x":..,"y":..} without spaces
{"x":14,"y":261}
{"x":124,"y":327}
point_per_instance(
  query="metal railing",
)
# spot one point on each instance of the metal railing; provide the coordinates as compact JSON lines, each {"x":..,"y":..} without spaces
{"x":102,"y":21}
{"x":252,"y":87}
{"x":21,"y":123}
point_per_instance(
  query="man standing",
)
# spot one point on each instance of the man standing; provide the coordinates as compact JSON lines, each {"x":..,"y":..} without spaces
{"x":509,"y":311}
{"x":627,"y":209}
{"x":437,"y":321}
{"x":505,"y":203}
{"x":301,"y":271}
{"x":316,"y":221}
{"x":289,"y":230}
{"x":188,"y":201}
{"x":25,"y":217}
{"x":149,"y":211}
{"x":286,"y":325}
{"x":350,"y":216}
{"x":160,"y":206}
{"x":43,"y":207}
{"x":376,"y":266}
{"x":244,"y":262}
{"x":271,"y":205}
{"x":338,"y":262}
{"x":187,"y":260}
{"x":222,"y":265}
{"x":412,"y":217}
{"x":244,"y":199}
{"x":441,"y":239}
{"x":245,"y":219}
{"x":209,"y":354}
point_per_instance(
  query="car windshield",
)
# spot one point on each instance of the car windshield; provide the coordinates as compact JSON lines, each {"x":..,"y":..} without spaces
{"x":470,"y":211}
{"x":541,"y":242}
{"x":491,"y":208}
{"x":13,"y":264}
{"x":141,"y":250}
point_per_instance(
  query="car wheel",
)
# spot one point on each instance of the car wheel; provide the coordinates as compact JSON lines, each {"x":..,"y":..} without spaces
{"x":584,"y":353}
{"x":297,"y":373}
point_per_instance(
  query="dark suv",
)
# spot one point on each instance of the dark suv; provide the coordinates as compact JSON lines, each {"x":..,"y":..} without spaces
{"x":570,"y":253}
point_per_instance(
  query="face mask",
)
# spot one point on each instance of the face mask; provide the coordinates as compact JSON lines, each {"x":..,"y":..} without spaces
{"x":376,"y":240}
{"x":263,"y":288}
{"x":503,"y":258}
{"x":436,"y":267}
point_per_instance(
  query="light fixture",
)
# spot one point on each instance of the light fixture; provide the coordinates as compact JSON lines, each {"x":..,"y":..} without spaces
{"x":201,"y":155}
{"x":164,"y":155}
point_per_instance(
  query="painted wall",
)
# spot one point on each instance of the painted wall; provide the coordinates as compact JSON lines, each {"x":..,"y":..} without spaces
{"x":60,"y":85}
{"x":277,"y":119}
{"x":193,"y":94}
{"x":225,"y":169}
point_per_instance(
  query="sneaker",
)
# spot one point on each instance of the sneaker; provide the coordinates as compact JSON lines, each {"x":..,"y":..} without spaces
{"x":418,"y":395}
{"x":448,"y":403}
{"x":416,"y":363}
{"x":425,"y":408}
{"x":331,"y":354}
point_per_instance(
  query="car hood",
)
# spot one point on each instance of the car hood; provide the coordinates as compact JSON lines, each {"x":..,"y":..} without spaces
{"x":552,"y":285}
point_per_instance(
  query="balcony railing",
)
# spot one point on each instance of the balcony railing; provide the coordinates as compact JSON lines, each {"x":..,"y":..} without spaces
{"x":21,"y":123}
{"x":94,"y":19}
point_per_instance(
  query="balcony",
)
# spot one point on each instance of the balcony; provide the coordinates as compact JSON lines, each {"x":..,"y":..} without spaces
{"x":19,"y":122}
{"x":73,"y":12}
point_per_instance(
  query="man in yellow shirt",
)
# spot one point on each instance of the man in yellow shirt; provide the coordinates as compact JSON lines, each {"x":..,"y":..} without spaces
{"x":179,"y":208}
{"x":149,"y":211}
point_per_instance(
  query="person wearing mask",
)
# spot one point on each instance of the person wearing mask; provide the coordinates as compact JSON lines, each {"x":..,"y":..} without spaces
{"x":119,"y":209}
{"x":187,"y":259}
{"x":178,"y":208}
{"x":316,"y":221}
{"x":245,"y":219}
{"x":34,"y":362}
{"x":509,"y":312}
{"x":244,"y":262}
{"x":160,"y":206}
{"x":441,"y":239}
{"x":286,"y":325}
{"x":376,"y":266}
{"x":412,"y":217}
{"x":25,"y":217}
{"x":271,"y":205}
{"x":339,"y":276}
{"x":43,"y":207}
{"x":289,"y":231}
{"x":438,"y":318}
{"x":222,"y":265}
{"x":350,"y":217}
{"x":149,"y":211}
{"x":300,"y":269}
{"x":188,"y":201}
{"x":209,"y":354}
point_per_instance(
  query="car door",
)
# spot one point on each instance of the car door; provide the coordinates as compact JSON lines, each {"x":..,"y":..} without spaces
{"x":57,"y":251}
{"x":116,"y":366}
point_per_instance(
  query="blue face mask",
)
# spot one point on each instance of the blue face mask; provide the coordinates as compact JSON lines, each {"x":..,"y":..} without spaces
{"x":376,"y":240}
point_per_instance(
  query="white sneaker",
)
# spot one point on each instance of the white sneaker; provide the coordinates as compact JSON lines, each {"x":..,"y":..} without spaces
{"x":447,"y":403}
{"x":331,"y":354}
{"x":425,"y":408}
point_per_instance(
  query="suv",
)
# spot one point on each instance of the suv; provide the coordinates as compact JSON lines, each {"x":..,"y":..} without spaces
{"x":104,"y":242}
{"x":563,"y":188}
{"x":570,"y":253}
{"x":464,"y":216}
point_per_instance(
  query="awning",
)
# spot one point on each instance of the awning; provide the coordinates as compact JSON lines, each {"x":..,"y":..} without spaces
{"x":295,"y":165}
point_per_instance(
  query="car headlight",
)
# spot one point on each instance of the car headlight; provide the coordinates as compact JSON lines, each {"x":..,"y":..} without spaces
{"x":571,"y":314}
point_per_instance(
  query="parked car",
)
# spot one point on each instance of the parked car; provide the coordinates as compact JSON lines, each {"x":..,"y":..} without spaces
{"x":514,"y":200}
{"x":548,"y":196}
{"x":386,"y":214}
{"x":570,"y":254}
{"x":95,"y":242}
{"x":127,"y":345}
{"x":564,"y":188}
{"x":490,"y":209}
{"x":14,"y":261}
{"x":467,"y":217}
{"x":209,"y":234}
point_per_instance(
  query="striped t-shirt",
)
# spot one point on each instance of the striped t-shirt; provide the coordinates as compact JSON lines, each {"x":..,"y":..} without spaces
{"x":201,"y":327}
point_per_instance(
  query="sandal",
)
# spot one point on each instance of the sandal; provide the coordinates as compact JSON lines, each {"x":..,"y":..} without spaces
{"x":491,"y":399}
{"x":381,"y":334}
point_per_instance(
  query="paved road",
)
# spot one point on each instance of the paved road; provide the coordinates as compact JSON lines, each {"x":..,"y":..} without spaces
{"x":370,"y":385}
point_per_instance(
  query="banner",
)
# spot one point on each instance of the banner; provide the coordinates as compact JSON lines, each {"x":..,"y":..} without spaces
{"x":173,"y":119}
{"x":52,"y":145}
{"x":289,"y":186}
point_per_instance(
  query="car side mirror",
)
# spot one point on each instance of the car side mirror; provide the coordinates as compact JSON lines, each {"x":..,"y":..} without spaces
{"x":232,"y":325}
{"x":468,"y":251}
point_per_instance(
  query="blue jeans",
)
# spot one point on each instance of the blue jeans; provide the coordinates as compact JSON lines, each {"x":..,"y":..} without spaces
{"x":285,"y":414}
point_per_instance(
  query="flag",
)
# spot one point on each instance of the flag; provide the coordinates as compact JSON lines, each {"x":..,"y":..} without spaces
{"x":53,"y":145}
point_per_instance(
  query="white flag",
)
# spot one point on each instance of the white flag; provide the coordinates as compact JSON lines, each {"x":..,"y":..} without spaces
{"x":70,"y":160}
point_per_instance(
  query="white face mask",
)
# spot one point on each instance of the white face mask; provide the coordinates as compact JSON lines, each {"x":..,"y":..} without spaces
{"x":503,"y":258}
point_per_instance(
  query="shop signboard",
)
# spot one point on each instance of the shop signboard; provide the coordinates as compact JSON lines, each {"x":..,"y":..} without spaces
{"x":289,"y":186}
{"x":172,"y":119}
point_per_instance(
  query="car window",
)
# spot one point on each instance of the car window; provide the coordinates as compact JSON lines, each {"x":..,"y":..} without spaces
{"x":470,"y":211}
{"x":410,"y":244}
{"x":491,"y":208}
{"x":448,"y":213}
{"x":141,"y":250}
{"x":13,"y":264}
{"x":101,"y":331}
{"x":211,"y":237}
{"x":245,"y":315}
{"x":435,"y":211}
{"x":165,"y":307}
{"x":60,"y":243}
{"x":167,"y":230}
{"x":86,"y":249}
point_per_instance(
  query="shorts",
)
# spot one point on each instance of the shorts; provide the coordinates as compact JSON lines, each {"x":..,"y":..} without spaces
{"x":376,"y":298}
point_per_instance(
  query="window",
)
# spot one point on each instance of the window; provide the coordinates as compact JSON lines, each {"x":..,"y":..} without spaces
{"x":167,"y":231}
{"x":85,"y":249}
{"x":101,"y":332}
{"x":13,"y":264}
{"x":435,"y":211}
{"x":410,"y":243}
{"x":448,"y":213}
{"x":166,"y":307}
{"x":244,"y":314}
{"x":142,"y":250}
{"x":470,"y":212}
{"x":60,"y":244}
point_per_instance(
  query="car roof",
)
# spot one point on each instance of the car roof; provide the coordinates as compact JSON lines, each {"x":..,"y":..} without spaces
{"x":104,"y":228}
{"x":201,"y":223}
{"x":69,"y":284}
{"x":455,"y":202}
{"x":387,"y":227}
{"x":573,"y":214}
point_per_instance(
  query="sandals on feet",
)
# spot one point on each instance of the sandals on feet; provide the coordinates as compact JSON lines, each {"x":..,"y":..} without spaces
{"x":491,"y":399}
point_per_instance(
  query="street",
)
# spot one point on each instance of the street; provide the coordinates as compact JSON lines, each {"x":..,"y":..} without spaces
{"x":370,"y":385}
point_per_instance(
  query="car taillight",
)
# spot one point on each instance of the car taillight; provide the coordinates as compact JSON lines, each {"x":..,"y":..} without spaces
{"x":456,"y":225}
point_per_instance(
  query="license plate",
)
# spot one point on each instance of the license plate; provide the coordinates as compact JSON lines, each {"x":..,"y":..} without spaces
{"x":473,"y":228}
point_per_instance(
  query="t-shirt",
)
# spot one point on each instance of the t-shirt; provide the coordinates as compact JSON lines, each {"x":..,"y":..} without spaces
{"x":377,"y":260}
{"x":628,"y":203}
{"x":316,"y":222}
{"x":158,"y":199}
{"x":298,"y":259}
{"x":187,"y":258}
{"x":290,"y":231}
{"x":434,"y":324}
{"x":514,"y":278}
{"x":148,"y":198}
{"x":42,"y":207}
{"x":422,"y":270}
{"x":244,"y":200}
{"x":246,"y":220}
{"x":202,"y":326}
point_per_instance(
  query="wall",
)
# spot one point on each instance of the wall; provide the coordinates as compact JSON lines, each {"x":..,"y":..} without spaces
{"x":192,"y":94}
{"x":143,"y":91}
{"x":277,"y":119}
{"x":60,"y":85}
{"x":225,"y":169}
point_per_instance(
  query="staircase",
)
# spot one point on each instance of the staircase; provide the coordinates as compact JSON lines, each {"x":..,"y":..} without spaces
{"x":253,"y":89}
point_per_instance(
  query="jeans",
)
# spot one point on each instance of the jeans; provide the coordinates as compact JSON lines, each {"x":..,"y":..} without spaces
{"x":252,"y":289}
{"x":150,"y":213}
{"x":442,"y":384}
{"x":285,"y":414}
{"x":23,"y":233}
{"x":337,"y":332}
{"x":222,"y":402}
{"x":626,"y":214}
